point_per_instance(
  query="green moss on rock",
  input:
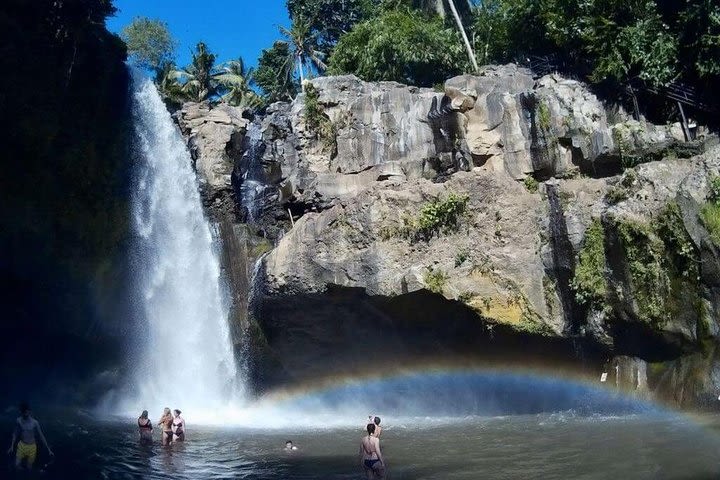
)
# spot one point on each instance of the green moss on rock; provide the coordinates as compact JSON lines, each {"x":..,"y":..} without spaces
{"x":590,"y":281}
{"x":662,"y":266}
{"x":710,"y":212}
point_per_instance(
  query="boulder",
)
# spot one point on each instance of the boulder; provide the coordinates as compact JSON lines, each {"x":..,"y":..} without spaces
{"x":215,"y":139}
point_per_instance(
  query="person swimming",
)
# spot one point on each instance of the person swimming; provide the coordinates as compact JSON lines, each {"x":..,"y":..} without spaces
{"x":370,"y":455}
{"x":23,"y":439}
{"x":145,"y":427}
{"x":166,"y":422}
{"x":178,"y":427}
{"x":289,"y":446}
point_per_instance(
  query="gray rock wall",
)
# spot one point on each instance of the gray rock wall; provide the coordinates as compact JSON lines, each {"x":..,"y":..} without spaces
{"x":349,"y":254}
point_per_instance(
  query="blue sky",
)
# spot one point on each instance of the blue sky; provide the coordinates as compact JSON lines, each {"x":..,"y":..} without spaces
{"x":230,"y":28}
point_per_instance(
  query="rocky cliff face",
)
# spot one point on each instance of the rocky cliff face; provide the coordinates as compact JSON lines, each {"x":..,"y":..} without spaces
{"x":507,"y":219}
{"x":66,"y":136}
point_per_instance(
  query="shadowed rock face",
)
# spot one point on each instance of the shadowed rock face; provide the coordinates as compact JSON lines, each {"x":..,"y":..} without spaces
{"x":344,"y":331}
{"x":502,"y":277}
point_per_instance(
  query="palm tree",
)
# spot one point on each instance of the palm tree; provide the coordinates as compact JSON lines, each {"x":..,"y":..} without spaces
{"x":198,"y":76}
{"x":303,"y":47}
{"x":167,"y":81}
{"x":236,"y":80}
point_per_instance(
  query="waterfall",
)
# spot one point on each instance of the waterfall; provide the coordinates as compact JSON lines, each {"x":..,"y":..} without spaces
{"x":186,"y":357}
{"x":563,"y":262}
{"x":255,"y":191}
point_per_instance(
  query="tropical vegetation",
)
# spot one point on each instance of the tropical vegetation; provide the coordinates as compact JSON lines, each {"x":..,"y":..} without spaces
{"x":149,"y":43}
{"x":611,"y":43}
{"x":606,"y":42}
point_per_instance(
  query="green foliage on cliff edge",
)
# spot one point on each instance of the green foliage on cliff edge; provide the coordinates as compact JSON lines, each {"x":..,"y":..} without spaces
{"x":606,"y":40}
{"x":435,"y":280}
{"x":401,"y":45}
{"x":274,"y":73}
{"x":317,"y":121}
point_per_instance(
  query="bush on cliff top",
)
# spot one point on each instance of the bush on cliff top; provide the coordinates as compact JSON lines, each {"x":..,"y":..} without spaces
{"x":401,"y":45}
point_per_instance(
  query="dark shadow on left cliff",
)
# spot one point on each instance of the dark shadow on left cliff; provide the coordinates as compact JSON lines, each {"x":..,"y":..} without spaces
{"x":65,"y":123}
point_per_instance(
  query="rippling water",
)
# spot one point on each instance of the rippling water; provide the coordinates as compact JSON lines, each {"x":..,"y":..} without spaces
{"x":547,"y":446}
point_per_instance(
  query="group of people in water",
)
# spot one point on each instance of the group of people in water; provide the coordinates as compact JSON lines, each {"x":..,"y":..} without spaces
{"x":27,"y":432}
{"x":171,"y":423}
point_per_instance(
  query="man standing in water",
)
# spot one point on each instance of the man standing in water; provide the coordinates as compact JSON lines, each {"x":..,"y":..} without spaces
{"x":26,"y":428}
{"x":370,"y":456}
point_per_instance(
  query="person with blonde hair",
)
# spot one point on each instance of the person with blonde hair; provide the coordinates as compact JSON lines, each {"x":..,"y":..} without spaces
{"x":166,"y":422}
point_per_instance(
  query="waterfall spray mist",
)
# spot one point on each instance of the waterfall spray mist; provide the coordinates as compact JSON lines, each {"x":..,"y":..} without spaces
{"x":187,"y":358}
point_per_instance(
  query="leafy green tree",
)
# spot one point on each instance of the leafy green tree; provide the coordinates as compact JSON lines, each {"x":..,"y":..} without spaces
{"x":235,"y":84}
{"x":149,"y":42}
{"x":400,"y":45}
{"x":610,"y":40}
{"x":274,"y":74}
{"x":699,"y":26}
{"x":328,"y":20}
{"x":622,"y":39}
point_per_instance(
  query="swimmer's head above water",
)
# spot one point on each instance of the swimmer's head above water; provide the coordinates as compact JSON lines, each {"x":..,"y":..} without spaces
{"x":24,"y":409}
{"x":289,"y":445}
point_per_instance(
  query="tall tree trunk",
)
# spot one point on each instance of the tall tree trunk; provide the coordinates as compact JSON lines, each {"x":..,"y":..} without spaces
{"x":468,"y":47}
{"x":300,"y":71}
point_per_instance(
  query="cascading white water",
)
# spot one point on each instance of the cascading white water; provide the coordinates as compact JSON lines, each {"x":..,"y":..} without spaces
{"x":188,"y":361}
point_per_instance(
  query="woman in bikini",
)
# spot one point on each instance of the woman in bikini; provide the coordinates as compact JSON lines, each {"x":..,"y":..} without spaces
{"x":166,"y":422}
{"x":370,"y":456}
{"x":145,"y":427}
{"x":178,"y":427}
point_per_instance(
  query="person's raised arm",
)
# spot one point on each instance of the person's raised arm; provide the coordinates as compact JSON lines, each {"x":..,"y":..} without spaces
{"x":14,"y":438}
{"x":42,"y":439}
